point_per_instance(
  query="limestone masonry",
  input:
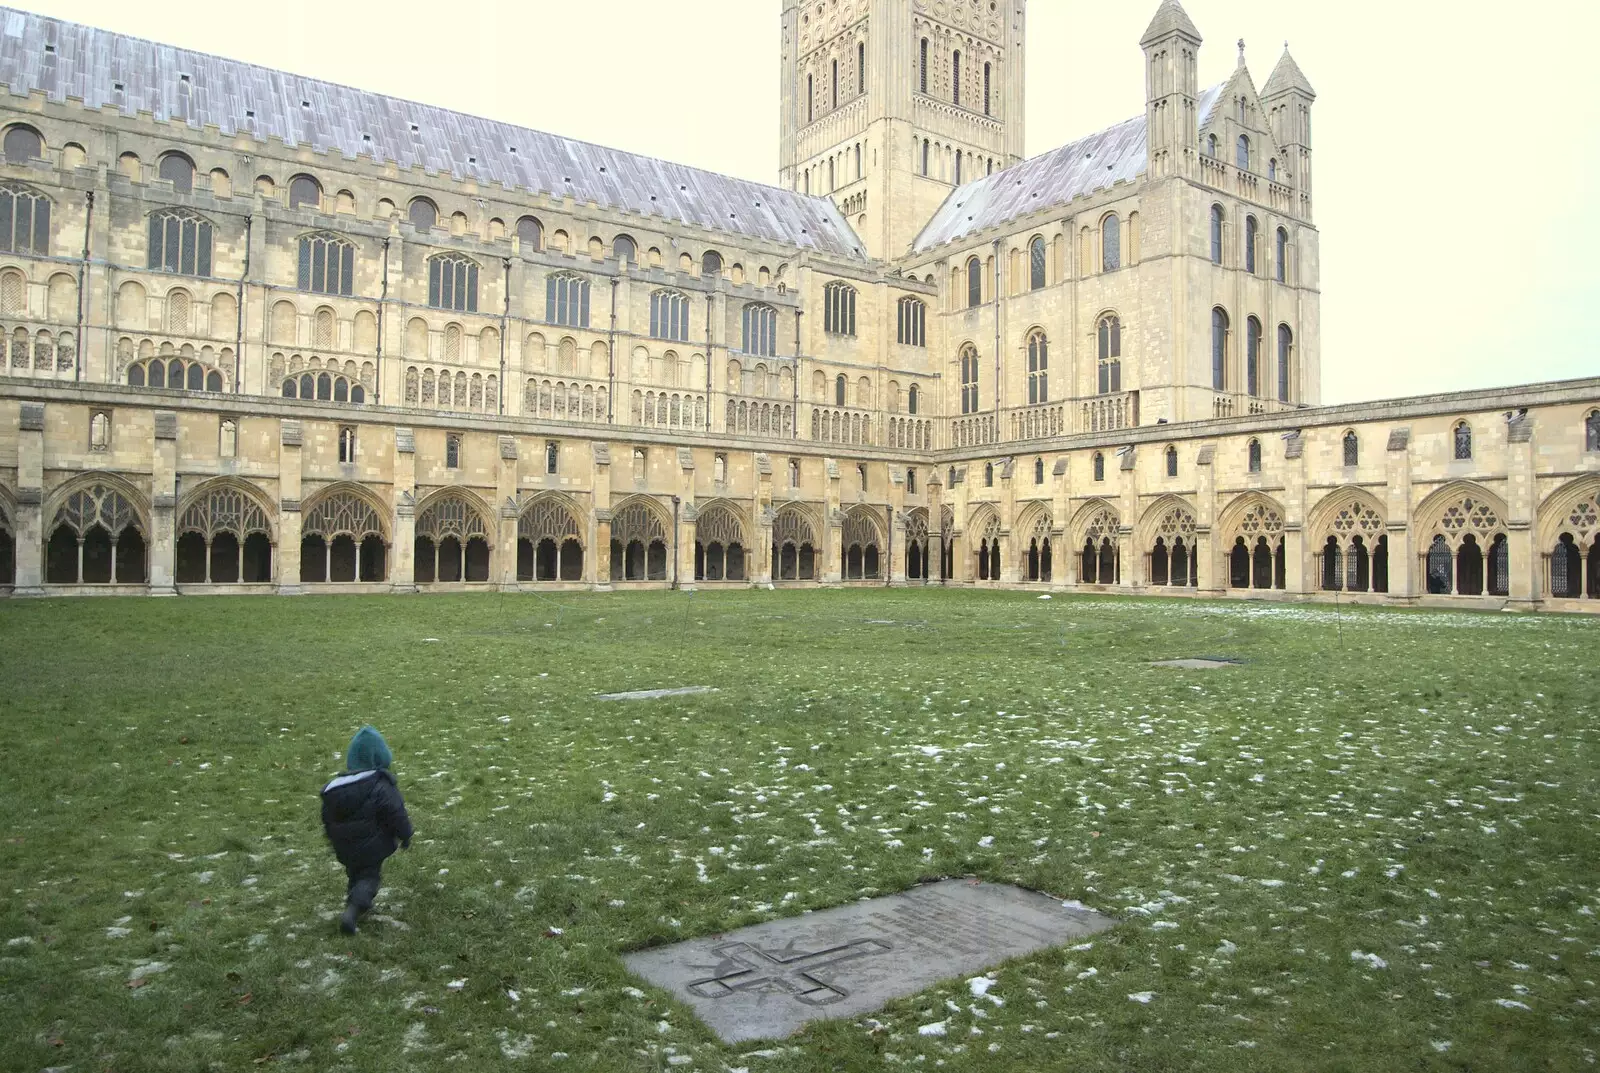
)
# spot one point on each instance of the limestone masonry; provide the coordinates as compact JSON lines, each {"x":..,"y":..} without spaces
{"x":269,"y":334}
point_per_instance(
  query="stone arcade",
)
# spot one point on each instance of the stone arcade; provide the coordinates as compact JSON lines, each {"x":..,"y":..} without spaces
{"x":268,"y":334}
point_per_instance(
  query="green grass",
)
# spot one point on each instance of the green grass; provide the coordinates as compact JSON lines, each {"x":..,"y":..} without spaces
{"x":1416,"y":786}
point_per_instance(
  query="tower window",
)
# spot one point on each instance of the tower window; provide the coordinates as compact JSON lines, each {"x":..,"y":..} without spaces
{"x":1099,"y":466}
{"x":347,"y":444}
{"x":1251,"y":233}
{"x":811,"y":99}
{"x":24,"y":221}
{"x":839,"y":390}
{"x":1172,"y":461}
{"x":178,"y":170}
{"x":23,"y":143}
{"x":988,"y":74}
{"x":1216,"y":234}
{"x":1243,"y":154}
{"x":955,"y":78}
{"x":861,"y":67}
{"x":974,"y":283}
{"x":835,"y":85}
{"x":1110,"y":365}
{"x":327,"y":265}
{"x":1591,"y":431}
{"x":912,"y":326}
{"x":839,"y":309}
{"x":1038,"y":368}
{"x":453,"y":284}
{"x":1219,"y":349}
{"x":422,"y":214}
{"x":1463,"y":442}
{"x":552,"y":457}
{"x":452,"y":450}
{"x":969,"y":380}
{"x":1036,"y":263}
{"x":1281,"y":256}
{"x":1255,"y":456}
{"x":922,"y":81}
{"x":1252,"y":365}
{"x":566,"y":301}
{"x":1352,"y":449}
{"x":1110,"y":243}
{"x":1285,"y":363}
{"x":180,"y":243}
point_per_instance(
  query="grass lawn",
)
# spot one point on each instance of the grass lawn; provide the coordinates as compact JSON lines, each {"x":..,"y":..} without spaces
{"x":1375,"y":846}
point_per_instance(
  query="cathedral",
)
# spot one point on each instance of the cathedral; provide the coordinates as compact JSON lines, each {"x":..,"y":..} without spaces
{"x":266,"y":334}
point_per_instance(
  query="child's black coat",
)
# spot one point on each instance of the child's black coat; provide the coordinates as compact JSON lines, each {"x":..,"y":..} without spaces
{"x":364,"y":817}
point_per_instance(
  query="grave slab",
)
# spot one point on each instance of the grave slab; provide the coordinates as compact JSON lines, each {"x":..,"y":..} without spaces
{"x":770,"y":980}
{"x":657,"y":694}
{"x":1205,"y":664}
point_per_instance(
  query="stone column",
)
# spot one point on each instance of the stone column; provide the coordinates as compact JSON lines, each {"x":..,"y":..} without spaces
{"x":29,"y":535}
{"x":503,"y":571}
{"x":1212,"y":573}
{"x":1294,"y":561}
{"x":403,"y":572}
{"x":289,"y":520}
{"x":1205,"y":560}
{"x":831,"y":570}
{"x":1528,"y":575}
{"x":758,"y":560}
{"x":1405,"y":574}
{"x":1130,"y":562}
{"x":164,"y":504}
{"x":687,"y":535}
{"x":600,"y":560}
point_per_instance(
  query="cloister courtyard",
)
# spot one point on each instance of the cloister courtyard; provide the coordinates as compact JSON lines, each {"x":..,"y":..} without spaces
{"x":1367,"y":843}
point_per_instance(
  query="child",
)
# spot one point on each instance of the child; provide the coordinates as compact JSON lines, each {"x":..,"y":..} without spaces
{"x":364,"y":816}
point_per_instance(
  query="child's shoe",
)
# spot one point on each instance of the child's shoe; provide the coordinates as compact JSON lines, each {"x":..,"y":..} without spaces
{"x":347,"y":919}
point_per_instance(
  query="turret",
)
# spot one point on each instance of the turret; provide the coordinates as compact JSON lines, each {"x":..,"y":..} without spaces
{"x":1172,"y":53}
{"x":1288,"y":97}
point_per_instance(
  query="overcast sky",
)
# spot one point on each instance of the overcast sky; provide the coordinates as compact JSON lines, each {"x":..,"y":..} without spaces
{"x":1456,"y":145}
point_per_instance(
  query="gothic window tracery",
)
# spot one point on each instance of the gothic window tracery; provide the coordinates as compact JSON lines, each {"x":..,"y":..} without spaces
{"x":180,"y":242}
{"x":97,"y":537}
{"x":638,"y":545}
{"x":1101,"y":558}
{"x":343,"y":540}
{"x":453,"y":283}
{"x":24,"y":220}
{"x":719,"y":545}
{"x":549,"y":542}
{"x":1173,"y":558}
{"x":224,"y":537}
{"x":452,"y":542}
{"x":326,"y":265}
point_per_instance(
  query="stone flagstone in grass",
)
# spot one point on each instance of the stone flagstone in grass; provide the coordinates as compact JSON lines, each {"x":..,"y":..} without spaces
{"x":770,"y":980}
{"x":1206,"y":664}
{"x":657,"y":694}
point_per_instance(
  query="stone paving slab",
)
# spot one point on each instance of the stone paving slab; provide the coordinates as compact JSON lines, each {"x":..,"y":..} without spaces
{"x":770,"y":980}
{"x":1197,"y":664}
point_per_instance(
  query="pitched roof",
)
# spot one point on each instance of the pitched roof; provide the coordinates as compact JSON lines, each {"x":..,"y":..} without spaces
{"x":134,"y":75}
{"x":1286,"y":76}
{"x":1169,"y":16}
{"x":1118,"y":153}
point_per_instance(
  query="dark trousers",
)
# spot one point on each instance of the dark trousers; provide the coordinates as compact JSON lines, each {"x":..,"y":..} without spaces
{"x":363,"y":886}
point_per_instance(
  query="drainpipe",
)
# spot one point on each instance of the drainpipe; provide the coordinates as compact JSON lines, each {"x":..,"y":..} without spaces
{"x":505,"y":323}
{"x":383,"y":302}
{"x":611,"y":360}
{"x":238,"y":343}
{"x":83,"y":270}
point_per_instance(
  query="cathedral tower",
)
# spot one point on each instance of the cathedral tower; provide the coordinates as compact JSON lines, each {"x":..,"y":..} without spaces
{"x":887,"y":107}
{"x":1172,"y":56}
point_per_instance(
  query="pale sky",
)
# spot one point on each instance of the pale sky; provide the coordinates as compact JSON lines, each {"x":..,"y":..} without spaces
{"x":1456,"y":147}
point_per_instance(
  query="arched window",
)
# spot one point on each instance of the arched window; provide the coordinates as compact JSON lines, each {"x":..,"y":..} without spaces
{"x":955,"y":78}
{"x":861,"y":67}
{"x":453,"y":283}
{"x":1037,"y":260}
{"x":839,"y":388}
{"x":1352,"y":449}
{"x":1252,"y":360}
{"x":926,"y":147}
{"x":1281,"y":256}
{"x":969,"y":379}
{"x":922,"y":86}
{"x":1038,"y":471}
{"x":1285,"y":363}
{"x":624,"y":249}
{"x":811,"y":98}
{"x":1038,"y":368}
{"x":1251,"y":234}
{"x":178,"y":170}
{"x":839,"y":309}
{"x":1110,"y":351}
{"x":988,"y":474}
{"x":1099,"y":466}
{"x":912,"y":322}
{"x":988,"y":79}
{"x":24,"y":143}
{"x":711,"y":264}
{"x":1219,"y":349}
{"x":423,"y":214}
{"x":913,"y":397}
{"x":1463,"y":442}
{"x":1243,"y":153}
{"x":1110,"y":243}
{"x":530,"y":235}
{"x":1255,"y":456}
{"x":24,"y":220}
{"x":835,"y":103}
{"x":760,"y":330}
{"x":96,"y":537}
{"x":327,"y":265}
{"x":669,"y":316}
{"x":566,"y":301}
{"x":1216,"y":234}
{"x":181,"y":243}
{"x":1172,"y":461}
{"x":1591,"y":431}
{"x":974,"y":283}
{"x":958,"y":167}
{"x":304,"y":190}
{"x":1272,"y":170}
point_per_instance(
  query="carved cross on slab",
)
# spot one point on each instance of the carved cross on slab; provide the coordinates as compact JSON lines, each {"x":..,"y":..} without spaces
{"x":746,"y":968}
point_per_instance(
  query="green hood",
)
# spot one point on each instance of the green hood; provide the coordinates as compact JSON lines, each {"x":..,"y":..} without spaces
{"x":368,"y":751}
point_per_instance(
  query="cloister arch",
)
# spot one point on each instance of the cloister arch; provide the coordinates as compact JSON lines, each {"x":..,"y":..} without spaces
{"x":794,"y":544}
{"x":1463,"y":544}
{"x":226,"y":535}
{"x":550,"y":531}
{"x":344,"y":536}
{"x":1171,"y":536}
{"x":918,"y":566}
{"x":1253,"y":542}
{"x":640,"y":538}
{"x":453,"y":537}
{"x":1569,"y":538}
{"x":983,"y":522}
{"x":98,"y":533}
{"x":1350,"y":543}
{"x":1095,"y":531}
{"x":721,"y":540}
{"x":1034,"y":549}
{"x":861,"y":545}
